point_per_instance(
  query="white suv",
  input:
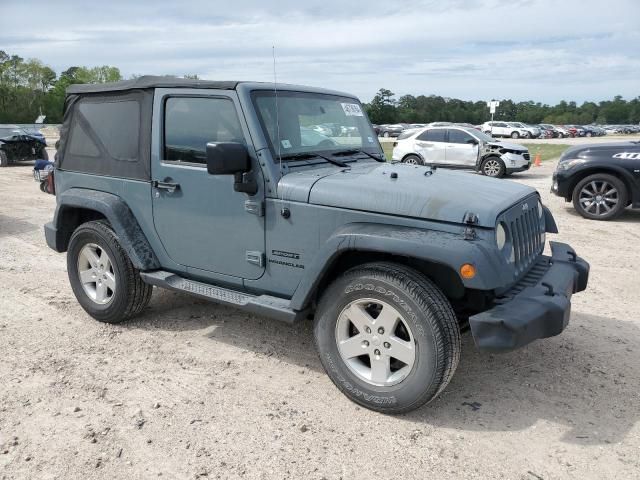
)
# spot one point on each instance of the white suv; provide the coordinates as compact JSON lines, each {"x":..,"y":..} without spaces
{"x":460,"y":147}
{"x":503,"y":129}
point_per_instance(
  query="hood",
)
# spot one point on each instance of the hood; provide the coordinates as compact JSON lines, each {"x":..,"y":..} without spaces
{"x":508,"y":146}
{"x":417,"y":191}
{"x":600,"y":150}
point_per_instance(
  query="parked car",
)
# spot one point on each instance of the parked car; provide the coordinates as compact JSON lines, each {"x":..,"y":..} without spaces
{"x":503,"y":129}
{"x":533,"y":131}
{"x":387,"y":131}
{"x":547,"y":132}
{"x":390,"y":261}
{"x":600,"y":179}
{"x":463,"y":148}
{"x":16,"y":145}
{"x":563,"y":132}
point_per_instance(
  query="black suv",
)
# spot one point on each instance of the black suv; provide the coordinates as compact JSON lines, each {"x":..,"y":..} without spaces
{"x":17,"y":145}
{"x":601,"y":179}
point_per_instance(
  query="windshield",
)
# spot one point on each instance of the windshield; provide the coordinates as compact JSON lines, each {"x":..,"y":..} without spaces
{"x":308,"y":123}
{"x":481,"y":136}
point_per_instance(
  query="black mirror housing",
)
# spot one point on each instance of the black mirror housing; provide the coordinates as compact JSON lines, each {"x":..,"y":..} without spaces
{"x":227,"y":158}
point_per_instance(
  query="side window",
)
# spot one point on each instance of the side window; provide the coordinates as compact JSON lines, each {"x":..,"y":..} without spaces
{"x":458,"y":136}
{"x":435,"y":135}
{"x":500,"y":125}
{"x":109,"y":126}
{"x":192,"y":122}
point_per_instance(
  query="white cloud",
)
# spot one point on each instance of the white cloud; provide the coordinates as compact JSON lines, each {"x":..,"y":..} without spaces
{"x":543,"y":50}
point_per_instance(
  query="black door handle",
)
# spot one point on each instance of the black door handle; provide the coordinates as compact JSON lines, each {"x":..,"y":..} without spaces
{"x":168,"y":186}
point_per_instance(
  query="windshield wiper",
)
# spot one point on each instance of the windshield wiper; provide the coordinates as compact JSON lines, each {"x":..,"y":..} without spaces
{"x":351,"y":151}
{"x":302,"y":156}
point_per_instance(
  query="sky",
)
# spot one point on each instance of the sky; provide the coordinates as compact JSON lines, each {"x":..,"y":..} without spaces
{"x":541,"y":50}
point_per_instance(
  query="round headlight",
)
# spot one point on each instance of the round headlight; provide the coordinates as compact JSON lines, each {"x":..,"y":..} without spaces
{"x":501,"y":236}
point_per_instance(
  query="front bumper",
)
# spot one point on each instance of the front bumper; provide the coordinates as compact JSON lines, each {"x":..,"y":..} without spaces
{"x":515,"y":162}
{"x":561,"y":184}
{"x":537,"y":307}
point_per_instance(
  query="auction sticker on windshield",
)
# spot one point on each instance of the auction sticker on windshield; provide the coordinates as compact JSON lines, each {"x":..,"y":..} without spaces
{"x":352,"y":110}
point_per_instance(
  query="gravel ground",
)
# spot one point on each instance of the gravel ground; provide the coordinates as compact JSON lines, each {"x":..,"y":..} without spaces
{"x":196,"y":390}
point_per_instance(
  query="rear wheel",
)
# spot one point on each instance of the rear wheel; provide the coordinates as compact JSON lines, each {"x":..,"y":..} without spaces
{"x":600,"y":197}
{"x":412,"y":160}
{"x":493,"y":167}
{"x":102,"y":277}
{"x":387,"y":337}
{"x":385,"y":134}
{"x":515,"y":135}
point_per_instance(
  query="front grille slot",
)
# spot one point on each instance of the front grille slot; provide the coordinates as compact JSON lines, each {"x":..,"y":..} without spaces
{"x":526,"y":233}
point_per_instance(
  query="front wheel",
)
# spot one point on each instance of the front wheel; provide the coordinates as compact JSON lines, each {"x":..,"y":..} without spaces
{"x":4,"y":159}
{"x":412,"y":160}
{"x":493,"y":167}
{"x":385,"y":134}
{"x":600,"y":197}
{"x":102,"y":277}
{"x":387,"y":337}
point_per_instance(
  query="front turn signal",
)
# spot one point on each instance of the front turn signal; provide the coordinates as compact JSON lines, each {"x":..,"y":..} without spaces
{"x":468,"y":271}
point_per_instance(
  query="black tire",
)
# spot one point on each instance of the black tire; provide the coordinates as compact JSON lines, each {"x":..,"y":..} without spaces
{"x":588,"y":134}
{"x":386,"y":135}
{"x":131,"y":294}
{"x":434,"y":328}
{"x":488,"y":167}
{"x":413,"y":160}
{"x":4,"y":160}
{"x":515,"y":135}
{"x":581,"y":197}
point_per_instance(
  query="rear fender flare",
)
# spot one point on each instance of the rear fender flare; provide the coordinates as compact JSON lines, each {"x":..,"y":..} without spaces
{"x":116,"y":211}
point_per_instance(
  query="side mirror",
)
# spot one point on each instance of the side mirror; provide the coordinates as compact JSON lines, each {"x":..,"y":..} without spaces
{"x":230,"y":158}
{"x":227,"y":158}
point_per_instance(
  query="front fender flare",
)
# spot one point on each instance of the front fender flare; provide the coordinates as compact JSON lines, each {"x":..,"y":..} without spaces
{"x":448,"y":249}
{"x":116,"y":211}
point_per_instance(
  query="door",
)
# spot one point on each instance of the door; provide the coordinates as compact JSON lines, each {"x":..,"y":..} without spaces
{"x":431,"y":145}
{"x":462,"y":149}
{"x":201,"y":221}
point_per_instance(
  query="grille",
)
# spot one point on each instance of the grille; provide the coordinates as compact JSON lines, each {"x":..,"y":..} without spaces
{"x":526,"y":233}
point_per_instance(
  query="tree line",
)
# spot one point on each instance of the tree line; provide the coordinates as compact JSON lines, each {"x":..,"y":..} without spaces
{"x":385,"y":108}
{"x":29,"y":88}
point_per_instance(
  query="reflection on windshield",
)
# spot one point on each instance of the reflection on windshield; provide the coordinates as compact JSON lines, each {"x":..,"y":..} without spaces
{"x":312,"y":122}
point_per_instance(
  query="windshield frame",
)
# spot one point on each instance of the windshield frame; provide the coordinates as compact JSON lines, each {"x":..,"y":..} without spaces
{"x":375,"y":148}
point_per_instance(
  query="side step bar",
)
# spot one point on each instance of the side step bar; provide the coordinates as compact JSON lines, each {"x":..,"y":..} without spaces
{"x":274,"y":307}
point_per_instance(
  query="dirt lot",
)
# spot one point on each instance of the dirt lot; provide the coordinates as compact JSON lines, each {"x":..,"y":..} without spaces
{"x":192,"y":389}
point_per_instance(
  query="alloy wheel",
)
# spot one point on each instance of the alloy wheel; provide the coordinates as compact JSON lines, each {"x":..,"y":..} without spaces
{"x":599,"y":197}
{"x":492,"y":168}
{"x":375,"y":342}
{"x":96,"y":273}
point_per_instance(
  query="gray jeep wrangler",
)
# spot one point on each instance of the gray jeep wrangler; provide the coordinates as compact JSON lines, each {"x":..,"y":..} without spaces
{"x":278,"y":200}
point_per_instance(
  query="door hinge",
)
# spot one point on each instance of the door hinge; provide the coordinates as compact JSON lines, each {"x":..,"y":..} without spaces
{"x":255,"y":207}
{"x":255,"y":258}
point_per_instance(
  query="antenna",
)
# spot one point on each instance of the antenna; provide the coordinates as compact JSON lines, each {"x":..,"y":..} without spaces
{"x":275,"y":90}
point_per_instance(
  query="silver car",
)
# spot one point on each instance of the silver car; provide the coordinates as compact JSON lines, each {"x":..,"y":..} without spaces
{"x":462,"y":148}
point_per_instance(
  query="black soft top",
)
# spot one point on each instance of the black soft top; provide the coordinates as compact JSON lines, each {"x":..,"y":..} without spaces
{"x":150,"y":81}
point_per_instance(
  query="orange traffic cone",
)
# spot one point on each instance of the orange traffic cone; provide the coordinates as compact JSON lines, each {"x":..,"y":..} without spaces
{"x":537,"y":161}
